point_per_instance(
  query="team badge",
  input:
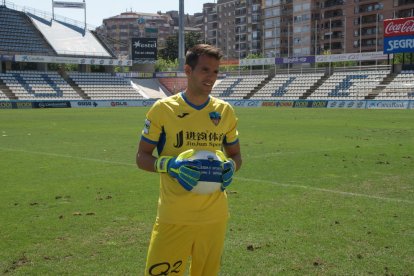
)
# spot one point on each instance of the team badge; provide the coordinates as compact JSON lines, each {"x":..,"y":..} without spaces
{"x":147,"y":126}
{"x":215,"y":117}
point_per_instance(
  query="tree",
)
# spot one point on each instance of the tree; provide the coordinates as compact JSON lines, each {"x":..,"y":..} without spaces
{"x":191,"y":39}
{"x":163,"y":65}
{"x":170,"y":52}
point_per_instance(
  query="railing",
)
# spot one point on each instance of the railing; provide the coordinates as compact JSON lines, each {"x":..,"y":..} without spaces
{"x":82,"y":53}
{"x":47,"y":15}
{"x":331,"y":3}
{"x":364,"y":68}
{"x":304,"y":70}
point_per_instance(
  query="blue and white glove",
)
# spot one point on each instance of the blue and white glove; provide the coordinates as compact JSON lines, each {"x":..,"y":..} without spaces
{"x":187,"y":172}
{"x":229,"y":167}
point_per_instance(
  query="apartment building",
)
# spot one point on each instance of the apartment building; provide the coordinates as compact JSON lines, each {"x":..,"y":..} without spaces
{"x":235,"y":26}
{"x":207,"y":21}
{"x":120,"y":29}
{"x":277,"y":25}
{"x":281,"y":28}
{"x":274,"y":28}
{"x":348,"y":26}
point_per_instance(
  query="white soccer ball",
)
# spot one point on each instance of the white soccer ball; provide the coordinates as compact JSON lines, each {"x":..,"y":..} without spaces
{"x":211,"y":172}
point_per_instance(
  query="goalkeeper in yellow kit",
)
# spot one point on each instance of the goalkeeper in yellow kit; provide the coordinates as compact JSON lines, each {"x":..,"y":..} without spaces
{"x":189,"y":224}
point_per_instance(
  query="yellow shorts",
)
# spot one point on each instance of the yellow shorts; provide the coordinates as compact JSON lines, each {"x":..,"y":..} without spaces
{"x":172,"y":246}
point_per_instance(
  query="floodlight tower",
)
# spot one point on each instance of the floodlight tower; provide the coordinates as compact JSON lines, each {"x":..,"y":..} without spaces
{"x":181,"y":36}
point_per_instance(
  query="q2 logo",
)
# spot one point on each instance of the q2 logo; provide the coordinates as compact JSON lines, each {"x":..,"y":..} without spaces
{"x":165,"y":268}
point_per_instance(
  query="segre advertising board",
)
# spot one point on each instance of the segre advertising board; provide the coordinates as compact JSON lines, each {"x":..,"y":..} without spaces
{"x":399,"y":35}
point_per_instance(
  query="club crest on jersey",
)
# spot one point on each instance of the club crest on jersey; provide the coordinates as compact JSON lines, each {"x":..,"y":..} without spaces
{"x":215,"y":117}
{"x":147,"y":126}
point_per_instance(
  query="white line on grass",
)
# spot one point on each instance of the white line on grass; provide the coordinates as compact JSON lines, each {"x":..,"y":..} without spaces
{"x":238,"y":178}
{"x":68,"y":156}
{"x":325,"y":190}
{"x":325,"y":150}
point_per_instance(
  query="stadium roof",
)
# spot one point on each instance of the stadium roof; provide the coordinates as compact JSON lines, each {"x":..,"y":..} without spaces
{"x":68,"y":39}
{"x":27,"y":33}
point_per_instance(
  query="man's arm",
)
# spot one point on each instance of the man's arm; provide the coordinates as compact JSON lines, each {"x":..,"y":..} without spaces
{"x":233,"y":152}
{"x":144,"y":158}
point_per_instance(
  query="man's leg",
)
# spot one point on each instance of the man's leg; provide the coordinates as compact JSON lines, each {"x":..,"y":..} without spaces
{"x":169,"y":249}
{"x":208,"y":248}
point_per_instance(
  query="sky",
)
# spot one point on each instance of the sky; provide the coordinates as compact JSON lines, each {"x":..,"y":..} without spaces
{"x":97,"y":10}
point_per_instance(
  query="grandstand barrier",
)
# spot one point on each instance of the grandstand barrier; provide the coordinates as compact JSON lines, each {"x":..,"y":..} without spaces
{"x":350,"y":104}
{"x":355,"y":104}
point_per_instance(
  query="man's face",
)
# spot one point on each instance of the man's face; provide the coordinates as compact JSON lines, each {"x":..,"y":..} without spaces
{"x":202,"y":78}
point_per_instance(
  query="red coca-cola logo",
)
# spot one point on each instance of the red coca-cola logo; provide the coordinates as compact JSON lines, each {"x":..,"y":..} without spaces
{"x":399,"y":27}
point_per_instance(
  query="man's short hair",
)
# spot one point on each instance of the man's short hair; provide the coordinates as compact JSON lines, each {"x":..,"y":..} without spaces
{"x":192,"y":55}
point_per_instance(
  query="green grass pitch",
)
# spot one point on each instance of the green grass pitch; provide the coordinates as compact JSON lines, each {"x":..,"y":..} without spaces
{"x":321,"y":192}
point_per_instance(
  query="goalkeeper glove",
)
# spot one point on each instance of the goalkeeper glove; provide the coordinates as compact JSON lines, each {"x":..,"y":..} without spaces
{"x":186,"y":172}
{"x":229,"y":167}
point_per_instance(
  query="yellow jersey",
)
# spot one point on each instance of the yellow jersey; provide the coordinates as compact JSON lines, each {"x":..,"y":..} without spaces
{"x":175,"y":125}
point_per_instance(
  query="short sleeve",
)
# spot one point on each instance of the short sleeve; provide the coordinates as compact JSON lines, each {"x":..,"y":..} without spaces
{"x":152,"y":126}
{"x":232,"y":134}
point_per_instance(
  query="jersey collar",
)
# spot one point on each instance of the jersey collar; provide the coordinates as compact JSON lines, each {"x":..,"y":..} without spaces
{"x":197,"y":107}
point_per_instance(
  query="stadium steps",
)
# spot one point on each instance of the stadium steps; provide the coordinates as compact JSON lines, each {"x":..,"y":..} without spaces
{"x":259,"y":86}
{"x":6,"y":90}
{"x":74,"y":85}
{"x":314,"y":87}
{"x":380,"y":87}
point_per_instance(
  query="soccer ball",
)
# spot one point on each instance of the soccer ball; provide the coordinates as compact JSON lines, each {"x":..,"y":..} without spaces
{"x":211,"y":172}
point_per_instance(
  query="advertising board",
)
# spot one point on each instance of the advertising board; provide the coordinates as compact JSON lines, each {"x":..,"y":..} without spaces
{"x":399,"y":35}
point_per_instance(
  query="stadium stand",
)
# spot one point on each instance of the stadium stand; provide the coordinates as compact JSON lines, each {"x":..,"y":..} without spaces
{"x":35,"y":85}
{"x":18,"y":34}
{"x":68,"y":39}
{"x":349,"y":85}
{"x":3,"y":97}
{"x":27,"y":34}
{"x":238,"y":87}
{"x":288,"y":86}
{"x":400,"y":88}
{"x":104,"y":86}
{"x":3,"y":92}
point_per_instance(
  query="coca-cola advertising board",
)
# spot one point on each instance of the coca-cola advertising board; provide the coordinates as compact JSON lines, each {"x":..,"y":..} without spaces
{"x":399,"y":35}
